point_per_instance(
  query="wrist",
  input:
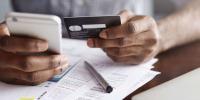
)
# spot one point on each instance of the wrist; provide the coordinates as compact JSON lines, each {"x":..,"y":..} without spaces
{"x":161,"y":45}
{"x":165,"y":42}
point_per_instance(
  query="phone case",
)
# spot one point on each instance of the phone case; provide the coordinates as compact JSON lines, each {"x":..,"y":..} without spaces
{"x":47,"y":27}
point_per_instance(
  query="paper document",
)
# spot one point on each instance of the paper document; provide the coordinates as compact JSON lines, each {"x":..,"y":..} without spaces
{"x":15,"y":92}
{"x":79,"y":84}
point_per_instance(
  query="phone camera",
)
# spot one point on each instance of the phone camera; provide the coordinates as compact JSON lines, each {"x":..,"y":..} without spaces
{"x":14,"y":19}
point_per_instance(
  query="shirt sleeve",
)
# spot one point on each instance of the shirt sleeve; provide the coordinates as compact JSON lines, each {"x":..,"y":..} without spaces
{"x":54,"y":7}
{"x":180,"y":3}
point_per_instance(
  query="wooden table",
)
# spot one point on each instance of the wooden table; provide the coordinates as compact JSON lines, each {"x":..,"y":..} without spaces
{"x":174,"y":63}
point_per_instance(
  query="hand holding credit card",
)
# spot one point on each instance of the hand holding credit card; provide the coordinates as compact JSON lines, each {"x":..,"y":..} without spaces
{"x":89,"y":27}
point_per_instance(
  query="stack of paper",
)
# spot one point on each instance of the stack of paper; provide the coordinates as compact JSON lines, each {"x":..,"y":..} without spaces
{"x":79,"y":84}
{"x":18,"y":92}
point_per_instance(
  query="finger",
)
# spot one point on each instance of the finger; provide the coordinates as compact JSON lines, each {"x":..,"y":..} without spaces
{"x":126,"y":15}
{"x":4,"y":30}
{"x":128,"y":60}
{"x":147,"y":39}
{"x":8,"y":77}
{"x":142,"y":24}
{"x":126,"y":51}
{"x":121,"y":42}
{"x":30,"y":77}
{"x":136,"y":25}
{"x":19,"y":82}
{"x":117,"y":32}
{"x":42,"y":76}
{"x":32,"y":63}
{"x":23,"y":44}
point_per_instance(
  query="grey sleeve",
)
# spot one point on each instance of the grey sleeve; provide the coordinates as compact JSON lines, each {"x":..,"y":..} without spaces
{"x":54,"y":7}
{"x":33,"y":6}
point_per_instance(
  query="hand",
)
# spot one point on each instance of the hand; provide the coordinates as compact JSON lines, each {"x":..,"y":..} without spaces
{"x":134,"y":42}
{"x":23,"y":60}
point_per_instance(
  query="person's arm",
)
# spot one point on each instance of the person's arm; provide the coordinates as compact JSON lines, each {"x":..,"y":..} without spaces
{"x":140,"y":38}
{"x":25,"y":60}
{"x":181,"y":27}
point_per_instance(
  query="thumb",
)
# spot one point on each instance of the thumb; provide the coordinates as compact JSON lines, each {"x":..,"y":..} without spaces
{"x":4,"y":30}
{"x":126,"y":15}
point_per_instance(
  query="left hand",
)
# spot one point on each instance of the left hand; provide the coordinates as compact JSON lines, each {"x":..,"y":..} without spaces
{"x":26,"y":61}
{"x":134,"y":42}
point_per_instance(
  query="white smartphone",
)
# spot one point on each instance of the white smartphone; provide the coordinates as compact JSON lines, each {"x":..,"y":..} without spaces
{"x":47,"y":27}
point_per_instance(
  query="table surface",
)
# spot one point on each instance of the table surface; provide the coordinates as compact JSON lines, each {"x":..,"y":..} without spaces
{"x":172,"y":64}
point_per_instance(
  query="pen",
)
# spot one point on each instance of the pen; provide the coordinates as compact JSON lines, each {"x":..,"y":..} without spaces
{"x":108,"y":88}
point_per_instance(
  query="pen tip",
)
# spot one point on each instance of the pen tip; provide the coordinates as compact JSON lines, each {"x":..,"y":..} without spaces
{"x":109,"y":89}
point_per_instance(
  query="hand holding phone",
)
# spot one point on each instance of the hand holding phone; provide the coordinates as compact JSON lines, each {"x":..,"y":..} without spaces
{"x":25,"y":60}
{"x":47,"y":27}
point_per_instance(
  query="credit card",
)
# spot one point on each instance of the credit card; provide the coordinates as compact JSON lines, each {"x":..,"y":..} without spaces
{"x":89,"y":27}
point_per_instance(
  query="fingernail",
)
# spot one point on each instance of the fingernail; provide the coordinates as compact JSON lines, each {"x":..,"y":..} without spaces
{"x":90,"y":43}
{"x":64,"y":60}
{"x":103,"y":34}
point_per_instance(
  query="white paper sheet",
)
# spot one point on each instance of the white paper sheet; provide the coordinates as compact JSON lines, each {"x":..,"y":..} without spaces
{"x":78,"y":84}
{"x":15,"y":92}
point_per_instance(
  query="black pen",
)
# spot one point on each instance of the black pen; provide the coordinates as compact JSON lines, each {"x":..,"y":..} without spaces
{"x":108,"y":88}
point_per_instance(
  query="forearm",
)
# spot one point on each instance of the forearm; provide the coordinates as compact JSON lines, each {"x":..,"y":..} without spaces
{"x":181,"y":27}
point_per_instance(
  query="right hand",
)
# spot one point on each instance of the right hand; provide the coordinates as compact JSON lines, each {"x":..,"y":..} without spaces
{"x":22,"y":59}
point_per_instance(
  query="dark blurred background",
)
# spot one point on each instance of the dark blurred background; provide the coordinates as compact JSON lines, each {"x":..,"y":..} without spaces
{"x":156,"y":8}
